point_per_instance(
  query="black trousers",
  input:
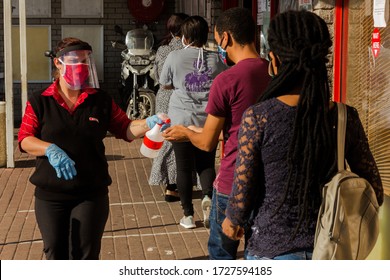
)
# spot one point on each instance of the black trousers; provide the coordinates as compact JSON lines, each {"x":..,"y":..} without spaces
{"x":72,"y":230}
{"x":189,"y":158}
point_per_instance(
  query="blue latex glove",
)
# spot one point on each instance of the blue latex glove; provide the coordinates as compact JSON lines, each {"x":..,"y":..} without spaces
{"x":61,"y":162}
{"x":153,"y":120}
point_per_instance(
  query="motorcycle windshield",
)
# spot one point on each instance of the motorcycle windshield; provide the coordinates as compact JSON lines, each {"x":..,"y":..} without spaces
{"x":139,"y":41}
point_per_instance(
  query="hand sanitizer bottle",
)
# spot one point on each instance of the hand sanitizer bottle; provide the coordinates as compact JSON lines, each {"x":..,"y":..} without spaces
{"x":152,"y":142}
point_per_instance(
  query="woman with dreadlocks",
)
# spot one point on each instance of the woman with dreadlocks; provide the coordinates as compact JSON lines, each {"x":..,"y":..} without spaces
{"x":286,"y":149}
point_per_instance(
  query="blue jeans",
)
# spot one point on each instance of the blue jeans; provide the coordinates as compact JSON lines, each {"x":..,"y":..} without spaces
{"x":220,"y":246}
{"x":299,"y":255}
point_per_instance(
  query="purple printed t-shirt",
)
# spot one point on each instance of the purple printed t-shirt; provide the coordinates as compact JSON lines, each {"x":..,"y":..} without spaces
{"x":232,"y":92}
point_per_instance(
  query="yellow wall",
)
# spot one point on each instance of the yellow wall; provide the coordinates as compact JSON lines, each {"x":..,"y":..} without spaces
{"x":38,"y":41}
{"x":381,"y":250}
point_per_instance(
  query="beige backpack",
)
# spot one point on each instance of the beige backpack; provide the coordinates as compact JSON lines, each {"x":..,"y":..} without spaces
{"x":347,"y":225}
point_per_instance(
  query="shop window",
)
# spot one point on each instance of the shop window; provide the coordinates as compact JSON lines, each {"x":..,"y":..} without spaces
{"x":285,"y":5}
{"x":368,"y":82}
{"x":193,"y":8}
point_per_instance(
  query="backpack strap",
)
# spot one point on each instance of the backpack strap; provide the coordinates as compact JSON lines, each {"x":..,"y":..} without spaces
{"x":341,"y":131}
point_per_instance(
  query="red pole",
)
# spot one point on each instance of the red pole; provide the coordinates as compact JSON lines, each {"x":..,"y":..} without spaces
{"x":340,"y":50}
{"x":254,"y":10}
{"x":227,"y":4}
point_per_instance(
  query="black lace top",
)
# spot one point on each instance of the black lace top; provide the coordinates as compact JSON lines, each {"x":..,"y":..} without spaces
{"x":261,"y":174}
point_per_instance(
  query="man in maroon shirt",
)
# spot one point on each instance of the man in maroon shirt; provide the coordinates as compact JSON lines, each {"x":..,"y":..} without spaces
{"x":232,"y":91}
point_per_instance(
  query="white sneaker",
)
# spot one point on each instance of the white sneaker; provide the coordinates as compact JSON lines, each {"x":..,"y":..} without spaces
{"x":206,"y":207}
{"x":187,"y":222}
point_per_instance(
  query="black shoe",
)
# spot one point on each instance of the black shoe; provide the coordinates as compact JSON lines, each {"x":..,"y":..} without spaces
{"x":171,"y":196}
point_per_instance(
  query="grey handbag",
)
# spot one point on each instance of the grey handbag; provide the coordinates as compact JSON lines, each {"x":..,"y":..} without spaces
{"x":347,"y":224}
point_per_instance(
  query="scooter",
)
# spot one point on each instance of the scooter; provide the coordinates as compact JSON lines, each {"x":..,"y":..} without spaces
{"x":137,"y":73}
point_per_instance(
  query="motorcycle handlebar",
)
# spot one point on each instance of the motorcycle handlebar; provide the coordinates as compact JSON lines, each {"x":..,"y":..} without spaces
{"x":50,"y":54}
{"x":118,"y":45}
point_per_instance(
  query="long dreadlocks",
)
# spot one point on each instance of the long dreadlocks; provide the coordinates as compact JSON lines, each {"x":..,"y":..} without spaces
{"x":301,"y":42}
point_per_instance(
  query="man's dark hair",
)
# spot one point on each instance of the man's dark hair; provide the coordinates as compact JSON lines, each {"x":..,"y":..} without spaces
{"x":196,"y":30}
{"x":239,"y":23}
{"x":300,"y":40}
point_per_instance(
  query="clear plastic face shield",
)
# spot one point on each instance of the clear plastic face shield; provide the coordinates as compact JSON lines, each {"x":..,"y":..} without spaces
{"x":79,"y":70}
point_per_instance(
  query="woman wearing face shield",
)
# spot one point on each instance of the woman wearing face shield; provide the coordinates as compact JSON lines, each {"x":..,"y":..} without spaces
{"x":64,"y":127}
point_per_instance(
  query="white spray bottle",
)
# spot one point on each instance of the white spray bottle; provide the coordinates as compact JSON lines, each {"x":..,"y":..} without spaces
{"x":153,"y":141}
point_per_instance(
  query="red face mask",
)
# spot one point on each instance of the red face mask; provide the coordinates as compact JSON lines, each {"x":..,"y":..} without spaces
{"x":76,"y":75}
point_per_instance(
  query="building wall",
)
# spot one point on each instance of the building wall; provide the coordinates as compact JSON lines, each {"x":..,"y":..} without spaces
{"x":116,"y":12}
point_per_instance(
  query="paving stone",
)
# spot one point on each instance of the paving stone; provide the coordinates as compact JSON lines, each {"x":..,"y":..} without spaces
{"x":141,"y":225}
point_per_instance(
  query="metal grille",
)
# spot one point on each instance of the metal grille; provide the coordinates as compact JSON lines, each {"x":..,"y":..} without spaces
{"x":368,"y":80}
{"x":192,"y":8}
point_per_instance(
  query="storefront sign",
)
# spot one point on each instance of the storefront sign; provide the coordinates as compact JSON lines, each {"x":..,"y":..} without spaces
{"x":381,"y":13}
{"x":306,"y":5}
{"x":375,"y":42}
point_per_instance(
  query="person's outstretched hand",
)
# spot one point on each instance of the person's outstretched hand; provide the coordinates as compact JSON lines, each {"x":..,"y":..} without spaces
{"x":61,"y":162}
{"x":176,"y":133}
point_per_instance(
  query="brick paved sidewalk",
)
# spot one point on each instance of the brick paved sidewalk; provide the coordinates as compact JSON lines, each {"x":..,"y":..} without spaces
{"x":141,"y":225}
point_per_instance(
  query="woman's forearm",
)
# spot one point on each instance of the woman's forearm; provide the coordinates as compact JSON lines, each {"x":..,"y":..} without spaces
{"x":136,"y":129}
{"x":34,"y":146}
